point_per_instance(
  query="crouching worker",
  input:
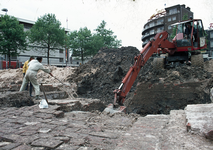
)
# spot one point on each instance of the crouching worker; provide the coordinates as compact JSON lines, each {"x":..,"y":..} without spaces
{"x":31,"y":75}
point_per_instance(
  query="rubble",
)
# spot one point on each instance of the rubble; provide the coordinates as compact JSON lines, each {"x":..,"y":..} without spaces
{"x":16,"y":99}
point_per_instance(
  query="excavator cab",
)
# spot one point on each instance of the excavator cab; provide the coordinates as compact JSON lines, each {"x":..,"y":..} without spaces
{"x":190,"y":35}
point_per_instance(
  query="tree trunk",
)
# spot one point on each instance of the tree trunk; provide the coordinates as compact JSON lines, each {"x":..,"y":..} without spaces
{"x":82,"y":56}
{"x":48,"y":54}
{"x":9,"y":60}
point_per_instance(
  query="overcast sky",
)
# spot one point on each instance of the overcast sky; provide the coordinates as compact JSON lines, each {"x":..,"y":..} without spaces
{"x":124,"y":17}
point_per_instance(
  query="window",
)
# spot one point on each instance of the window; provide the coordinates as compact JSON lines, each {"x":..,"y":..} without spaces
{"x":61,"y":59}
{"x":160,"y":29}
{"x":173,"y":11}
{"x":173,"y":18}
{"x":180,"y":28}
{"x":169,"y":19}
{"x":151,"y":24}
{"x":152,"y":31}
{"x":160,"y":21}
{"x":151,"y":38}
{"x":146,"y":27}
{"x":211,"y":43}
{"x":27,"y":26}
{"x":61,"y":51}
{"x":211,"y":34}
{"x":169,"y":27}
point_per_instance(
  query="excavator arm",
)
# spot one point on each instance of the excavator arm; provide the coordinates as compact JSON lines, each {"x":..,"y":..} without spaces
{"x":159,"y":42}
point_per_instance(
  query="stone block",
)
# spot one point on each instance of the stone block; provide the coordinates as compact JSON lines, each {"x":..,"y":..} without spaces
{"x":58,"y":114}
{"x":10,"y":146}
{"x":109,"y":135}
{"x":23,"y":147}
{"x":4,"y":143}
{"x":27,"y":139}
{"x":10,"y":137}
{"x":200,"y":117}
{"x":48,"y":143}
{"x":61,"y":138}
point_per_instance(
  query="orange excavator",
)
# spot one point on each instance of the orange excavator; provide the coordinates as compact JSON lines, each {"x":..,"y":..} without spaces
{"x":184,"y":48}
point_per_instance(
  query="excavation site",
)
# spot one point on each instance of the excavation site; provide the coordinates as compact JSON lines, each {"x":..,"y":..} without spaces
{"x":165,"y":108}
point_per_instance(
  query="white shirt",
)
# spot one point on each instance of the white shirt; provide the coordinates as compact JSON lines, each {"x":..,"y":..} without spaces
{"x":35,"y":65}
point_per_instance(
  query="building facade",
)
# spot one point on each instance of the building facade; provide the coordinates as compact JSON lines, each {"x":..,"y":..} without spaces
{"x":162,"y":20}
{"x":209,"y":42}
{"x":59,"y":57}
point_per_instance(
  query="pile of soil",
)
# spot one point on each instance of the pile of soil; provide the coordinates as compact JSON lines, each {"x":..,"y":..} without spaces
{"x":160,"y":91}
{"x":99,"y":77}
{"x":177,"y":75}
{"x":164,"y":89}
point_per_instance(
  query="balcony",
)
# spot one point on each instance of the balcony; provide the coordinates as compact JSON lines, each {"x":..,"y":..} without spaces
{"x":155,"y":25}
{"x":144,"y":43}
{"x":146,"y":35}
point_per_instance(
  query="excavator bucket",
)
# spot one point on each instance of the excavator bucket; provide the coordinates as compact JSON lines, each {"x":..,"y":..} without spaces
{"x":117,"y":106}
{"x":112,"y":109}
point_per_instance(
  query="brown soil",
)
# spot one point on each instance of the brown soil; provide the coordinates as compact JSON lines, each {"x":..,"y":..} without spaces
{"x":99,"y":77}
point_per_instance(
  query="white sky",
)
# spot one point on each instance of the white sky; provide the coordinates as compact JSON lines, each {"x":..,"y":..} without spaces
{"x":124,"y":17}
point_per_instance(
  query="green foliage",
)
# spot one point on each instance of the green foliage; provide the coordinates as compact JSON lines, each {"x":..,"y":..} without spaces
{"x":173,"y":32}
{"x":47,"y":33}
{"x":12,"y":37}
{"x":80,"y":41}
{"x":85,"y":44}
{"x":109,"y":40}
{"x":185,"y":17}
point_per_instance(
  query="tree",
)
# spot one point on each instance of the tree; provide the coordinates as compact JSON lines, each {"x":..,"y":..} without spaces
{"x":12,"y":37}
{"x":173,"y":32}
{"x":47,"y":33}
{"x":85,"y":44}
{"x":185,"y":17}
{"x":107,"y":36}
{"x":80,"y":42}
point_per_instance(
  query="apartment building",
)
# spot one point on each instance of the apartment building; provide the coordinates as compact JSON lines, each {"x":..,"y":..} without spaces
{"x":162,"y":20}
{"x":210,"y":40}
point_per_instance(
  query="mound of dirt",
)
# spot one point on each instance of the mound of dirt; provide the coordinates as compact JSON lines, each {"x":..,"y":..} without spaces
{"x":180,"y":74}
{"x":158,"y":92}
{"x":99,"y":77}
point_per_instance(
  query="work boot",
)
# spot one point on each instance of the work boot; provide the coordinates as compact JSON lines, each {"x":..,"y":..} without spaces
{"x":37,"y":97}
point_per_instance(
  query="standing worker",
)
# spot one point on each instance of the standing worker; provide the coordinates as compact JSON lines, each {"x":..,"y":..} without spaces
{"x":31,"y":75}
{"x":25,"y":67}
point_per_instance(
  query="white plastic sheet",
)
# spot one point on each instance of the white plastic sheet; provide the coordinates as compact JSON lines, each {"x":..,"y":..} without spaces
{"x":43,"y":104}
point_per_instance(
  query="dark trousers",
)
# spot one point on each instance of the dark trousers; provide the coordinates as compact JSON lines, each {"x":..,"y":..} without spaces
{"x":31,"y":87}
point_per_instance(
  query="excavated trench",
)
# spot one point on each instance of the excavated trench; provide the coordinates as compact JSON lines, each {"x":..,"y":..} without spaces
{"x":55,"y":96}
